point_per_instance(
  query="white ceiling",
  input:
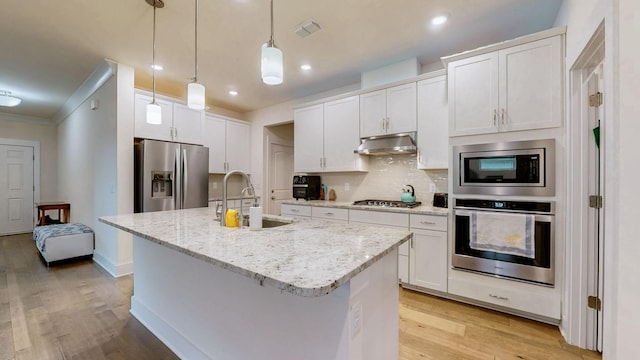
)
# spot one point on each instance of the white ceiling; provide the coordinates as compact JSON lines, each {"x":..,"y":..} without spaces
{"x":48,"y":48}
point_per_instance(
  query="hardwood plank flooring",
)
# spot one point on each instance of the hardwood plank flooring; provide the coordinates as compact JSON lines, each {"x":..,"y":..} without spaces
{"x":77,"y":311}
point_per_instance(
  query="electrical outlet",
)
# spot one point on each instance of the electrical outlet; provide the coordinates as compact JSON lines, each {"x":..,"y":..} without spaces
{"x":432,"y":188}
{"x":346,"y":186}
{"x":356,"y":319}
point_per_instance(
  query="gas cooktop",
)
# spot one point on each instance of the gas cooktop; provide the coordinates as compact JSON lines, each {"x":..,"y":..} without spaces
{"x":388,"y":203}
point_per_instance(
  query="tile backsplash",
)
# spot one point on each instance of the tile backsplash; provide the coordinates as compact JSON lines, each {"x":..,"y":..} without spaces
{"x":386,"y":178}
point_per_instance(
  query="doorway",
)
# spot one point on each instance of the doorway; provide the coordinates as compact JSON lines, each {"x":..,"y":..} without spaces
{"x":586,"y":221}
{"x":279,"y":166}
{"x":19,"y":185}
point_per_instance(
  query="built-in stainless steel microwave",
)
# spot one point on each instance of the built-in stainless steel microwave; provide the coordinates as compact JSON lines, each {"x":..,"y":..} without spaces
{"x":505,"y":168}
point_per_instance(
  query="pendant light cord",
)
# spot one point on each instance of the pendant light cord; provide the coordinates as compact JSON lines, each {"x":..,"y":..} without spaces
{"x":271,"y":42}
{"x":154,"y":55}
{"x":195,"y":79}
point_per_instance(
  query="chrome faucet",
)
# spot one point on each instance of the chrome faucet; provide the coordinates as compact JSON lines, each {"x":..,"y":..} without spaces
{"x":251,"y":191}
{"x":223,"y":214}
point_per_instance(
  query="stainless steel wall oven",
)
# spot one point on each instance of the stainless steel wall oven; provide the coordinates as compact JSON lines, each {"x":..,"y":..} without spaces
{"x":514,"y":239}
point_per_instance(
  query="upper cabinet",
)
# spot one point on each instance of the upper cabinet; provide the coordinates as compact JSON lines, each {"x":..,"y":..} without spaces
{"x":326,"y":135}
{"x":517,"y":88}
{"x":388,"y":111}
{"x":229,"y":144}
{"x":433,"y":124}
{"x":179,"y":122}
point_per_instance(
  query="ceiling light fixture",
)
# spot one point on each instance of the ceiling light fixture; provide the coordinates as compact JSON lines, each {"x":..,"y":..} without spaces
{"x":271,"y":65}
{"x":154,"y":111}
{"x":305,"y":67}
{"x":233,"y":92}
{"x":195,"y":90}
{"x":157,"y":67}
{"x":439,"y":20}
{"x":8,"y":100}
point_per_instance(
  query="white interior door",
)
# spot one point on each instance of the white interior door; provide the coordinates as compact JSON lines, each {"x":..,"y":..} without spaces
{"x":280,"y":176}
{"x":16,"y":189}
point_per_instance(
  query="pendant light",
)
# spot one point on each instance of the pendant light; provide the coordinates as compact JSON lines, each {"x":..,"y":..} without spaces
{"x":154,"y":111}
{"x":271,"y":65}
{"x":195,"y":90}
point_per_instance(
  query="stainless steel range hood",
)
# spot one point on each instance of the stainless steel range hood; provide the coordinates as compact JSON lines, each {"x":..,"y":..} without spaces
{"x":388,"y":144}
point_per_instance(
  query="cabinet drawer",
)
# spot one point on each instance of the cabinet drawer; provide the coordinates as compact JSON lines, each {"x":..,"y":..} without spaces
{"x":532,"y":299}
{"x":329,"y":213}
{"x":428,"y":222}
{"x":295,"y":210}
{"x":379,"y":218}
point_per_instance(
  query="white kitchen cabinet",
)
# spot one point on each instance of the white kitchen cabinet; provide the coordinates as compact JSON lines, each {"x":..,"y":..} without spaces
{"x":162,"y":131}
{"x":308,"y":128}
{"x":179,"y":122}
{"x":392,"y":220}
{"x":516,"y":88}
{"x":388,"y":111}
{"x":296,"y":211}
{"x":428,"y":252}
{"x":330,"y":214}
{"x":187,"y":124}
{"x":326,"y":136}
{"x":433,"y":123}
{"x":229,"y":144}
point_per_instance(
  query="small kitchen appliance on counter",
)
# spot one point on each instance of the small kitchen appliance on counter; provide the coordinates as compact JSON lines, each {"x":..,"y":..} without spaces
{"x":306,"y":187}
{"x":408,"y":196}
{"x":441,"y":200}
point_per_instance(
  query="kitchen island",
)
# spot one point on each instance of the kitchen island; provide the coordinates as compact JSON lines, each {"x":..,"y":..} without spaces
{"x":305,"y":290}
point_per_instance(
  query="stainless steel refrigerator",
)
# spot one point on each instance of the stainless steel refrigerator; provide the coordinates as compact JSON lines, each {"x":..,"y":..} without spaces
{"x":170,"y":176}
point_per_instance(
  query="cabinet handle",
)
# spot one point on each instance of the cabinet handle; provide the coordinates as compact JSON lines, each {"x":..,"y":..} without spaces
{"x":387,"y":127}
{"x":329,"y":214}
{"x":382,"y":125}
{"x":502,"y":117}
{"x":176,"y":132}
{"x":498,"y":297}
{"x":427,"y":222}
{"x":495,"y":117}
{"x":324,"y":163}
{"x":321,"y":163}
{"x":411,"y":241}
{"x":295,"y":210}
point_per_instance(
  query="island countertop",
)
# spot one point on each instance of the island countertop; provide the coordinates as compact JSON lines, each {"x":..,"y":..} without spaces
{"x":305,"y":258}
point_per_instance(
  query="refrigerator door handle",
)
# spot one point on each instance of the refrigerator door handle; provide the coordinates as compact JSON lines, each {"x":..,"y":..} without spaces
{"x":177,"y":181}
{"x":185,"y":181}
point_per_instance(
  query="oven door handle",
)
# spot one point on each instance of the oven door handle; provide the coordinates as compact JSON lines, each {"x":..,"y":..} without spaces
{"x":537,"y":217}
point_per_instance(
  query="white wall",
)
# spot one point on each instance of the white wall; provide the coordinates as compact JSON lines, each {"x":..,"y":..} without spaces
{"x":46,"y":136}
{"x":95,"y":167}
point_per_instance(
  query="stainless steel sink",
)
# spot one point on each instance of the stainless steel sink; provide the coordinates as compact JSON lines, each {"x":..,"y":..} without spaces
{"x":269,"y":222}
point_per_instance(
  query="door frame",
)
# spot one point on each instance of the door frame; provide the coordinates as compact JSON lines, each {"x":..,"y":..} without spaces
{"x":36,"y":167}
{"x":574,"y":324}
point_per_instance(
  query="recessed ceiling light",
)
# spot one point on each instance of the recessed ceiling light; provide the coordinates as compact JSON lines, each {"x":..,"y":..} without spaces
{"x":233,"y":92}
{"x":305,"y":67}
{"x":439,"y":20}
{"x":156,"y":67}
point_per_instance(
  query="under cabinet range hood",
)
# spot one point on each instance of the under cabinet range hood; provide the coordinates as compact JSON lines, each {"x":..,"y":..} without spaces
{"x":404,"y":143}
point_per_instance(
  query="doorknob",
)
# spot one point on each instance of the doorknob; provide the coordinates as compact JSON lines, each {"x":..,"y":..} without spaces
{"x":273,"y":198}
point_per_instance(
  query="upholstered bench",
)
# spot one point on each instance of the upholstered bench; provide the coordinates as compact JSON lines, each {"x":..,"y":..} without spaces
{"x":64,"y":242}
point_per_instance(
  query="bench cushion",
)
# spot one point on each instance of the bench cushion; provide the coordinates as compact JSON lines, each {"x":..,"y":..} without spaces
{"x":42,"y":233}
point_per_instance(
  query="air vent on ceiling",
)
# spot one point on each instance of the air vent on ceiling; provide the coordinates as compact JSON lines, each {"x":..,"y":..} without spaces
{"x":307,"y":28}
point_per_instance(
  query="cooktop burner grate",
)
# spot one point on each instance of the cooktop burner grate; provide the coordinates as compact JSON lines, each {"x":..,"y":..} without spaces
{"x":387,"y":203}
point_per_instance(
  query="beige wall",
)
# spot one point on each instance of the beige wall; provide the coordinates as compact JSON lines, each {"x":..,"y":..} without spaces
{"x":46,"y":136}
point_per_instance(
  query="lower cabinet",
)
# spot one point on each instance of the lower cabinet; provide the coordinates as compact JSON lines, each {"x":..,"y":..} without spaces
{"x":296,"y":211}
{"x":428,"y":259}
{"x":330,"y":214}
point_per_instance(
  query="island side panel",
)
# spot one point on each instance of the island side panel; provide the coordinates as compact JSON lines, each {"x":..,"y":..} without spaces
{"x":202,"y":311}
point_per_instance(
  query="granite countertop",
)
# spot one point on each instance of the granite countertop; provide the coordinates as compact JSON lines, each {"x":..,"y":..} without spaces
{"x":420,"y":210}
{"x":305,"y":258}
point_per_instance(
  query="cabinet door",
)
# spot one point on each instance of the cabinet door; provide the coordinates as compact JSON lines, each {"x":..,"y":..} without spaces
{"x":215,"y":140}
{"x":433,"y":124}
{"x":238,"y":146}
{"x":473,"y":95}
{"x":188,"y":124}
{"x":341,"y":134}
{"x":308,"y":138}
{"x":401,"y":109}
{"x":531,"y":85}
{"x":373,"y":113}
{"x":428,"y":259}
{"x":151,"y":131}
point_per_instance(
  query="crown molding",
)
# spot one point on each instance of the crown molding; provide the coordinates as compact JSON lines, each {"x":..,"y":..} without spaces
{"x":26,"y":119}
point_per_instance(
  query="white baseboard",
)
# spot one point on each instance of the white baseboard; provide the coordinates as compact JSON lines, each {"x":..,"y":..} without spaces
{"x":113,"y":269}
{"x":174,"y":340}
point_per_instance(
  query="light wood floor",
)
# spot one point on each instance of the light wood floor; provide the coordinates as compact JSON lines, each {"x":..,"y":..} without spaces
{"x":77,"y":311}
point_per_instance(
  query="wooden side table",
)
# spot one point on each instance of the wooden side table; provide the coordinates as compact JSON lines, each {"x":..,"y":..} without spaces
{"x":53,"y":205}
